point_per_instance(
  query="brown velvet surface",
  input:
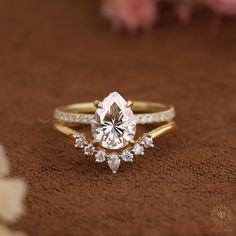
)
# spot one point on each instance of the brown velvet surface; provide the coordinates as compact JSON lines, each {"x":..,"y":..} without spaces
{"x":59,"y":52}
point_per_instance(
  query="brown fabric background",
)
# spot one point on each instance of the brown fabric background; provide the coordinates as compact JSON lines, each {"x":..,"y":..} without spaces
{"x":59,"y":52}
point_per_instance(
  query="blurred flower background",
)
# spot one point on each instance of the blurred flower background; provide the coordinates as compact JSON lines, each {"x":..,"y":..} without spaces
{"x":12,"y":194}
{"x":134,"y":15}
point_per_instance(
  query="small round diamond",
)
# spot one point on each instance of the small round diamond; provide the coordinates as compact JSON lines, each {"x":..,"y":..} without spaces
{"x":127,"y":156}
{"x":80,"y":141}
{"x":89,"y":150}
{"x":147,"y":142}
{"x":138,"y":149}
{"x":100,"y":156}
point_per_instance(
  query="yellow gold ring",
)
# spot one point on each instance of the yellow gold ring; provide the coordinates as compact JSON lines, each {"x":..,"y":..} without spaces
{"x":113,"y":124}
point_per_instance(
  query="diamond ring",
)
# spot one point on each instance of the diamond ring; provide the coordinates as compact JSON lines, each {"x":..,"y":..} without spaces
{"x":113,"y":124}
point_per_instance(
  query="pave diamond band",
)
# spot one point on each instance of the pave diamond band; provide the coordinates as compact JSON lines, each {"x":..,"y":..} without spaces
{"x":113,"y":126}
{"x":76,"y":113}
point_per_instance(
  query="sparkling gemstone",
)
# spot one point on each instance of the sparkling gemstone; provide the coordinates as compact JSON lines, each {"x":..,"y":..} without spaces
{"x":80,"y":141}
{"x":147,"y":142}
{"x":89,"y":150}
{"x":127,"y":155}
{"x":138,"y":149}
{"x":100,"y":156}
{"x":114,"y":123}
{"x":113,"y":161}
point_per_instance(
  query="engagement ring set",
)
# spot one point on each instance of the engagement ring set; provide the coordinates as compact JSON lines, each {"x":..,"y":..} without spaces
{"x":113,"y":124}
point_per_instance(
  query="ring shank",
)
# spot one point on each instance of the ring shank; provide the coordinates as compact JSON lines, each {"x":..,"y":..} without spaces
{"x":145,"y":112}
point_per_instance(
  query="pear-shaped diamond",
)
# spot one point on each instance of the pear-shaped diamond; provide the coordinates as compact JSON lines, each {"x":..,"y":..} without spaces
{"x":114,"y":124}
{"x":113,"y":161}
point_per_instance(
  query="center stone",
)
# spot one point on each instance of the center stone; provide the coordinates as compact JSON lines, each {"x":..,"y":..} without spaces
{"x":113,"y":124}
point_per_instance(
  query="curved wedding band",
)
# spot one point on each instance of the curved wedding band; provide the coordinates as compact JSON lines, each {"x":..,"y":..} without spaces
{"x":113,"y":124}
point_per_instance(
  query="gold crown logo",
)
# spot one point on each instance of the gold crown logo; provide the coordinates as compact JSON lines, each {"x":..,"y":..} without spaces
{"x":221,"y":215}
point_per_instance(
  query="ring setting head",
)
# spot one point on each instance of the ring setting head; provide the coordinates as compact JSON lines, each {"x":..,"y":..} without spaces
{"x":113,"y":127}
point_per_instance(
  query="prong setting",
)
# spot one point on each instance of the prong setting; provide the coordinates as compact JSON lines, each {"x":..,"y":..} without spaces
{"x":132,"y":141}
{"x":95,"y":143}
{"x":97,"y":104}
{"x":129,"y":103}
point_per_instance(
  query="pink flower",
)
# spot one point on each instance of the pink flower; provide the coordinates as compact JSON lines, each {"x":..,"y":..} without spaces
{"x":184,"y":10}
{"x":222,"y":7}
{"x":178,"y":9}
{"x":130,"y":14}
